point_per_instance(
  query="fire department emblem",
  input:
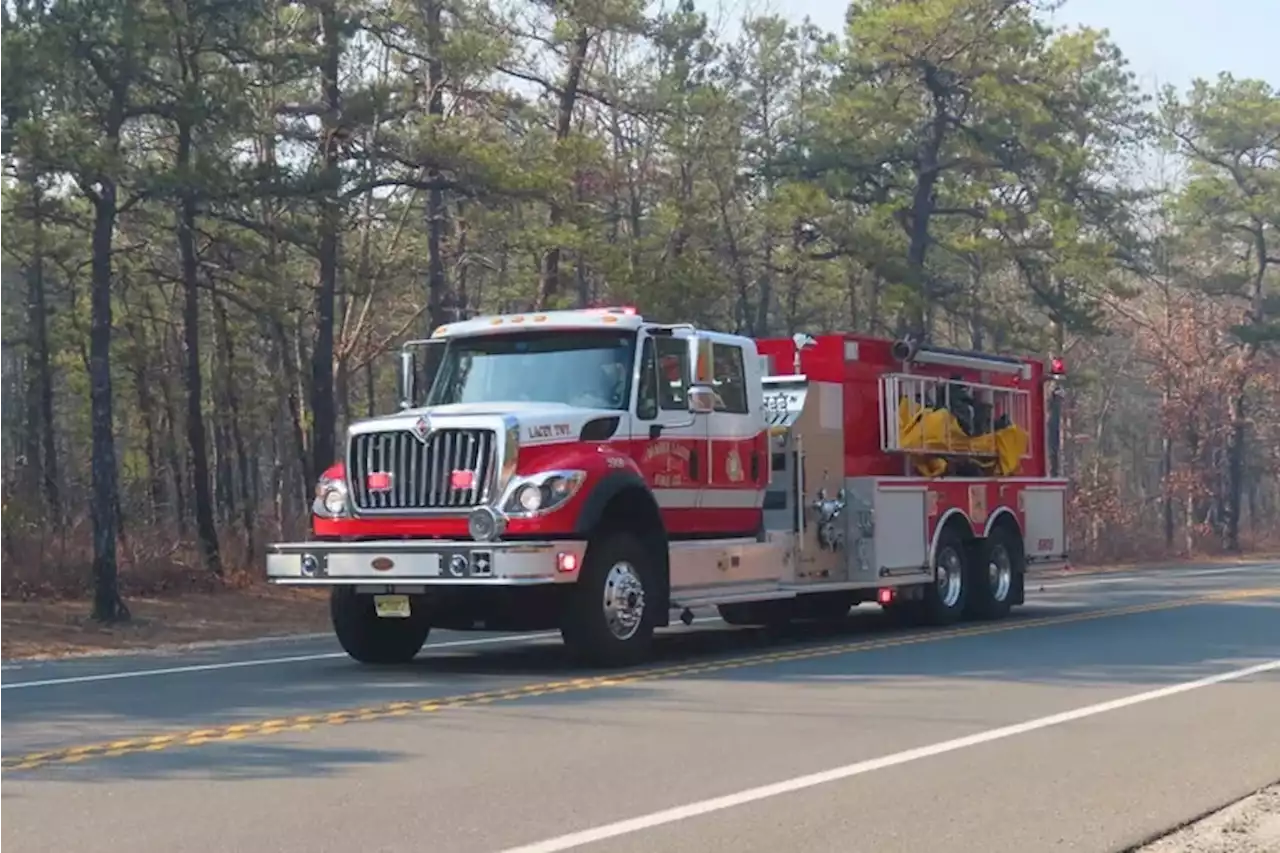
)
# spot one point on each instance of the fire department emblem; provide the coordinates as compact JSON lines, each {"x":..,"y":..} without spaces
{"x":733,"y":466}
{"x":422,"y":429}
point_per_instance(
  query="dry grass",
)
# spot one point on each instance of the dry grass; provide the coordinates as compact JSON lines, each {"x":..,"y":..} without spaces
{"x":173,"y":601}
{"x":42,"y":629}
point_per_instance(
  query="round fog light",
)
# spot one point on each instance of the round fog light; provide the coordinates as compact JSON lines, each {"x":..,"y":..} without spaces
{"x":310,"y":565}
{"x":484,"y":524}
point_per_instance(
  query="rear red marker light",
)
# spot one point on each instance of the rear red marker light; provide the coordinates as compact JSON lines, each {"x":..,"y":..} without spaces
{"x":566,"y":562}
{"x":885,"y":595}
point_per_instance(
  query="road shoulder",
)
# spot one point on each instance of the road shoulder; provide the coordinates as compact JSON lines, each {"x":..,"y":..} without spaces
{"x":59,"y":629}
{"x":45,"y":630}
{"x":1250,"y":825}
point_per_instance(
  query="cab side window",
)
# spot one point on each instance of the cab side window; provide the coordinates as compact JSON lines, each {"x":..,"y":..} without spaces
{"x":728,"y":377}
{"x":673,"y":368}
{"x":647,"y":392}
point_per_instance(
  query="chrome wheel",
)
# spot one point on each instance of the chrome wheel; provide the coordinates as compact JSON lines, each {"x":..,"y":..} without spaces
{"x":999,"y":573}
{"x":949,"y":577}
{"x":623,"y":600}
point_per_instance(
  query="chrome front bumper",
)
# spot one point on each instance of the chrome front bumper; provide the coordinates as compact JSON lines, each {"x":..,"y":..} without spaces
{"x":425,"y":562}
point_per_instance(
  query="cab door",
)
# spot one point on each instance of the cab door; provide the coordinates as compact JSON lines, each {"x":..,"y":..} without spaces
{"x":737,"y":441}
{"x":668,"y":443}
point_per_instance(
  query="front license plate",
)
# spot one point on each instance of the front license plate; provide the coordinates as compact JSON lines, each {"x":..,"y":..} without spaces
{"x":392,"y":606}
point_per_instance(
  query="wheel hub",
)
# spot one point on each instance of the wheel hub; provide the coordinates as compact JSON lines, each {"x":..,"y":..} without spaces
{"x":950,"y":577}
{"x":623,"y":600}
{"x":1000,"y":573}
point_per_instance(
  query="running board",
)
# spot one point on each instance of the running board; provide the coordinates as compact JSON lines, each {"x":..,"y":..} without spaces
{"x":690,"y":599}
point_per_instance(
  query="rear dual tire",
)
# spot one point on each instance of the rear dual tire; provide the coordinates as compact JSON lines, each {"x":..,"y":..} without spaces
{"x":998,"y":567}
{"x":971,"y":580}
{"x":945,"y":599}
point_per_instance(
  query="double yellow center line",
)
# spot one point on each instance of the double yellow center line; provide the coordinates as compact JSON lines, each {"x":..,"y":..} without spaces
{"x":306,"y":722}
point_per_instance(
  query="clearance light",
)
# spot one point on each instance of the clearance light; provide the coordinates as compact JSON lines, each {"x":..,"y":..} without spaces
{"x":885,"y":595}
{"x":1057,"y":366}
{"x":566,"y":562}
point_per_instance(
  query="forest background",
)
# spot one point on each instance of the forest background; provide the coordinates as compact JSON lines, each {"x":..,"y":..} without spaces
{"x":221,"y":217}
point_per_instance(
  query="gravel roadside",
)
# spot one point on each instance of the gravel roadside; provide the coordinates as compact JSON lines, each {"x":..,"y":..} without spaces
{"x":1251,"y":825}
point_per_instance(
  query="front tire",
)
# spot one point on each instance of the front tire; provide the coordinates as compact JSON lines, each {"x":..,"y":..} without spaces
{"x":609,"y":616}
{"x":371,"y":639}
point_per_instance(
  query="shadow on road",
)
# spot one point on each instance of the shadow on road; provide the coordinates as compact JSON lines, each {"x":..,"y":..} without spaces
{"x":233,"y":762}
{"x":1142,"y":650}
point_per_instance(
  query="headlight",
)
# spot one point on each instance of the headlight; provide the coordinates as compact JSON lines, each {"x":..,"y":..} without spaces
{"x":331,"y":499}
{"x":542,"y":492}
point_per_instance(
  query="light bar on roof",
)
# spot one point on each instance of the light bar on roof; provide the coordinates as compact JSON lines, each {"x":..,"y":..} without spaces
{"x":972,"y":361}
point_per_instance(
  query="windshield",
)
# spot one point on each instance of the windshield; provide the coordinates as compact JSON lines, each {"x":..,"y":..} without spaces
{"x":579,"y":368}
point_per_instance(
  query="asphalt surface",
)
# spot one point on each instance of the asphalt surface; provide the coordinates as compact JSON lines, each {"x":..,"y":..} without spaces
{"x":1107,"y":710}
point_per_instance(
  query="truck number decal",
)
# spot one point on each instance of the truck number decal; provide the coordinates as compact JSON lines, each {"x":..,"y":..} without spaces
{"x":778,"y":409}
{"x":549,"y":431}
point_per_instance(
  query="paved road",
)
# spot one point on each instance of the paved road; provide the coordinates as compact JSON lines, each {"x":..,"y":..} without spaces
{"x":1108,"y":709}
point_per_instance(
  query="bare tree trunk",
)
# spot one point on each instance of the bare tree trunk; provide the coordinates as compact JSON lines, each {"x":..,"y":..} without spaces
{"x":108,"y":606}
{"x":206,"y":531}
{"x":550,"y":283}
{"x":323,"y":410}
{"x":438,"y":302}
{"x":174,"y":460}
{"x":248,"y":498}
{"x":42,"y":453}
{"x":147,"y":411}
{"x":1166,"y":473}
{"x":1234,"y":496}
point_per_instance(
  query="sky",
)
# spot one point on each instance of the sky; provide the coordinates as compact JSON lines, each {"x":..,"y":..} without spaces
{"x":1165,"y":41}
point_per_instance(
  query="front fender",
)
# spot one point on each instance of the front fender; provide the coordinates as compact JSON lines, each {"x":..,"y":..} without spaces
{"x":601,"y":492}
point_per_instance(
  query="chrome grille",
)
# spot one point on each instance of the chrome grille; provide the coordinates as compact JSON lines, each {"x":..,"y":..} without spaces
{"x":422,"y":472}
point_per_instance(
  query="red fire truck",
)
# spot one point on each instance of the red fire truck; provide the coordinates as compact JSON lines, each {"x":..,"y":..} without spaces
{"x":599,"y":473}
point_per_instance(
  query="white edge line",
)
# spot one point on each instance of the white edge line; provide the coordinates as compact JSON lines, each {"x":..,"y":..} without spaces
{"x":1103,"y":578}
{"x":799,"y":783}
{"x":512,"y":638}
{"x":238,"y":664}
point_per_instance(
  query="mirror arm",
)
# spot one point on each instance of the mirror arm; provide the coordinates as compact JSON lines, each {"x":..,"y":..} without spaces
{"x":409,"y":368}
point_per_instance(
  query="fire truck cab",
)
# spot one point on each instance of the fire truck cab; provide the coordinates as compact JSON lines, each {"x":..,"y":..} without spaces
{"x":598,"y":473}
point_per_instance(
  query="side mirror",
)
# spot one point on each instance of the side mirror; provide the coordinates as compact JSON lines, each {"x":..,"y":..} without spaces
{"x":408,"y":373}
{"x":702,"y":399}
